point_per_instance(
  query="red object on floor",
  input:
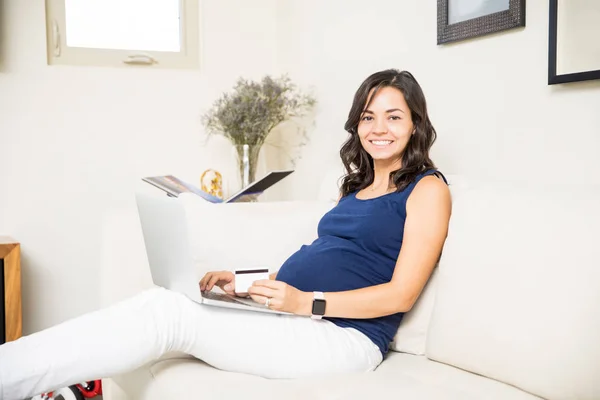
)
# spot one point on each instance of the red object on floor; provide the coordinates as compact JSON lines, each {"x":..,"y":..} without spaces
{"x":90,"y":389}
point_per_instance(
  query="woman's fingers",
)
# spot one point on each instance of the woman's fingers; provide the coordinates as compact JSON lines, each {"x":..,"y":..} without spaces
{"x":204,"y":280}
{"x":213,"y":280}
{"x":259,"y":299}
{"x":262,"y":291}
{"x":227,"y":286}
{"x":270,"y":283}
{"x":274,"y":303}
{"x":221,"y":279}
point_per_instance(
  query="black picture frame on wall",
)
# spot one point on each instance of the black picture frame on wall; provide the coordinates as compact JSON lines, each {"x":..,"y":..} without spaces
{"x":553,"y":77}
{"x":514,"y":17}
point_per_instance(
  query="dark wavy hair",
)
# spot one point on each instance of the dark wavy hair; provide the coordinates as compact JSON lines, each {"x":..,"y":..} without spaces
{"x":415,"y":157}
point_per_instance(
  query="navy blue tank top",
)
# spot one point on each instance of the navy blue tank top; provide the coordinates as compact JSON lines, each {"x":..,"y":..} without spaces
{"x":357,"y":246}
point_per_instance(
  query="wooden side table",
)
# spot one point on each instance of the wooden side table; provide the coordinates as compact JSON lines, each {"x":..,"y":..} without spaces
{"x":10,"y":290}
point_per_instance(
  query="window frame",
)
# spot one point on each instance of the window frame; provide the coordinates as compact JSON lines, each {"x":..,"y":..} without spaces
{"x":58,"y":53}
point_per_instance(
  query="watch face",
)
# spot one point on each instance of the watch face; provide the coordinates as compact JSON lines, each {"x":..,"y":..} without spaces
{"x":318,"y":307}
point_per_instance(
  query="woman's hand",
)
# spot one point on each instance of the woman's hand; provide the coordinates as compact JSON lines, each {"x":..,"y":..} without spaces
{"x":223,"y":279}
{"x":282,"y":297}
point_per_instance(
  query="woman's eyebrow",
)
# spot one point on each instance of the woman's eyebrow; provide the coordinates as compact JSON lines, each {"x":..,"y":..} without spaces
{"x":395,"y":109}
{"x":388,"y":111}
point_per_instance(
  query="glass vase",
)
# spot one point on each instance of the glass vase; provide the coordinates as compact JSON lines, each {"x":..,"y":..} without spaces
{"x":247,"y":156}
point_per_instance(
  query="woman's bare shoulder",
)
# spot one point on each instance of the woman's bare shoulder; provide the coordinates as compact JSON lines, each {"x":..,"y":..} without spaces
{"x":428,"y":191}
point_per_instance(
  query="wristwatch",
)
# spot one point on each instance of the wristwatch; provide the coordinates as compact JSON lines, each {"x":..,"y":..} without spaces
{"x":318,"y":305}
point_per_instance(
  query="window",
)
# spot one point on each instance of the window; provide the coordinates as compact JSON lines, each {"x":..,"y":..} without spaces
{"x":157,"y":33}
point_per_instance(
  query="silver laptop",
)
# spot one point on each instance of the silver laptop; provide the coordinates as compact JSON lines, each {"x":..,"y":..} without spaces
{"x":164,"y":226}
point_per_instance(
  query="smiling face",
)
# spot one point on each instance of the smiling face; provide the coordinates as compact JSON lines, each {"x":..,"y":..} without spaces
{"x":386,"y":126}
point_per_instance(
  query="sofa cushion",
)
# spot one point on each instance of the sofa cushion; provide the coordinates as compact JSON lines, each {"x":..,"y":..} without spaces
{"x":518,"y":294}
{"x":411,"y":336}
{"x":406,"y":376}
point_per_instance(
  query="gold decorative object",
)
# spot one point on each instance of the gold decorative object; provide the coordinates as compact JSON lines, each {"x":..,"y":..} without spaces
{"x":211,"y":182}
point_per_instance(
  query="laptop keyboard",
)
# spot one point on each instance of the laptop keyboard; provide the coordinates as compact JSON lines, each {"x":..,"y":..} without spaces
{"x":220,"y":297}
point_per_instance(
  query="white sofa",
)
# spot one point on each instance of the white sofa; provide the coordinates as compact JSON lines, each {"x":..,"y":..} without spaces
{"x":512,"y":311}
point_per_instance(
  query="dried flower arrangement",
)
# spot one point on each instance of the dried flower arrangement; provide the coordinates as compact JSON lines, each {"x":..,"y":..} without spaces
{"x":248,"y":114}
{"x":253,"y":109}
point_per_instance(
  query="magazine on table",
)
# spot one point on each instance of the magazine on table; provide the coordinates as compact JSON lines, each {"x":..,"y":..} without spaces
{"x":174,"y":186}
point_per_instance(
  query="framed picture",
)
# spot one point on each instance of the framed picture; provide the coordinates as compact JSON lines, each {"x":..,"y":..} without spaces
{"x":465,"y":19}
{"x":573,"y":45}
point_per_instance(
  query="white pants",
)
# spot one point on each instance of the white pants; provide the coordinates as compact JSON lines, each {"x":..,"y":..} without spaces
{"x":131,"y":333}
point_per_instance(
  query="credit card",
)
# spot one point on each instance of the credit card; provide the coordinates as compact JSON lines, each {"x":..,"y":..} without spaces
{"x":244,"y":278}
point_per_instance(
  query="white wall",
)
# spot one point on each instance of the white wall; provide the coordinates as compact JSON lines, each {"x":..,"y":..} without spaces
{"x":75,"y":141}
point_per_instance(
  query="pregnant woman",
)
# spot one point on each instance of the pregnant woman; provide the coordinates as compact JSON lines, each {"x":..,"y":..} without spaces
{"x":348,"y":290}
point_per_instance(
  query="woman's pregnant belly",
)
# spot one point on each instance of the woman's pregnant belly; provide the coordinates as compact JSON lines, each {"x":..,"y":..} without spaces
{"x":332,"y":264}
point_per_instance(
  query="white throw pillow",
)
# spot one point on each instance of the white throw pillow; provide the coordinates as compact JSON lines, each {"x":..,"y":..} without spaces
{"x":411,"y":336}
{"x":518,"y":290}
